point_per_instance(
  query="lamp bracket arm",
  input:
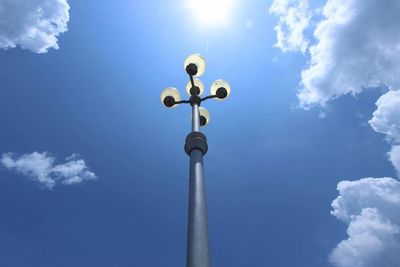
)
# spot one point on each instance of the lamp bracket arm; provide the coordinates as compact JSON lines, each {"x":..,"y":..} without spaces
{"x":182,"y":102}
{"x":209,"y":97}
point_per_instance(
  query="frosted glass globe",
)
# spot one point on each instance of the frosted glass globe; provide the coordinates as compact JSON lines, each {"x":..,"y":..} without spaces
{"x":197,"y":83}
{"x":170,"y":92}
{"x":220,"y":84}
{"x":205,"y":114}
{"x":199,"y":61}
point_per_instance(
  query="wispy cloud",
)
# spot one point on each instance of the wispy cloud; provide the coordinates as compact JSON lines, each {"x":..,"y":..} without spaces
{"x":294,"y":18}
{"x":32,"y":25}
{"x":371,"y":209}
{"x":42,"y":168}
{"x":249,"y":24}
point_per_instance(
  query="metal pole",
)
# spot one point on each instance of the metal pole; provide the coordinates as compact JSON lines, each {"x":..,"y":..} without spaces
{"x":195,"y":118}
{"x":197,"y":243}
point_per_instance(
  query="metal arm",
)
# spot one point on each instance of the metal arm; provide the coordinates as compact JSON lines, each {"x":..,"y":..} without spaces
{"x":201,"y":100}
{"x":191,"y":80}
{"x":209,"y":97}
{"x":183,"y":102}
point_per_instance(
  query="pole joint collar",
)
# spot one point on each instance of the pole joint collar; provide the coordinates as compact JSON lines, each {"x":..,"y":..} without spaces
{"x":195,"y":99}
{"x":196,"y":140}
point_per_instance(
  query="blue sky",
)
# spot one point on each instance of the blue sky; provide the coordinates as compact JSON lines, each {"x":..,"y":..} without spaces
{"x":275,"y":155}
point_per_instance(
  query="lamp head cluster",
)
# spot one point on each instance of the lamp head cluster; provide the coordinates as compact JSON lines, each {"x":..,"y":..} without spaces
{"x":195,"y":66}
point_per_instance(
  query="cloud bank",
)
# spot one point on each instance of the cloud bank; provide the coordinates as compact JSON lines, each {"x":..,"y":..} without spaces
{"x":371,"y":209}
{"x":41,"y":168}
{"x":356,"y":46}
{"x":32,"y":24}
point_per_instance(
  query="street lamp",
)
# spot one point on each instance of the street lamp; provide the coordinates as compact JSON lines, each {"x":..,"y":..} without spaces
{"x":196,"y":147}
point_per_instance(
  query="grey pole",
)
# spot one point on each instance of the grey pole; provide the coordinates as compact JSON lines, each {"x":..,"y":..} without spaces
{"x":195,"y":118}
{"x":197,"y":244}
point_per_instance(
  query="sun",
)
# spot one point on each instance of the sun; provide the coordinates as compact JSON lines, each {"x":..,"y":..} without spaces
{"x":212,"y":12}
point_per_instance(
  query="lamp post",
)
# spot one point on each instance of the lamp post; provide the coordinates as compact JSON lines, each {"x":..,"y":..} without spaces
{"x":197,"y":254}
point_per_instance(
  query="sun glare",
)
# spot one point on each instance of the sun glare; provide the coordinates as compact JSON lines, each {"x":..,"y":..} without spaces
{"x":212,"y":12}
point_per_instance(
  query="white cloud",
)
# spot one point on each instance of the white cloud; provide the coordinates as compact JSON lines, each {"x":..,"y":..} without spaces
{"x":386,"y":118}
{"x":32,"y":24}
{"x":294,"y":18}
{"x":356,"y":46}
{"x":394,"y":157}
{"x":371,"y":209}
{"x":41,"y":168}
